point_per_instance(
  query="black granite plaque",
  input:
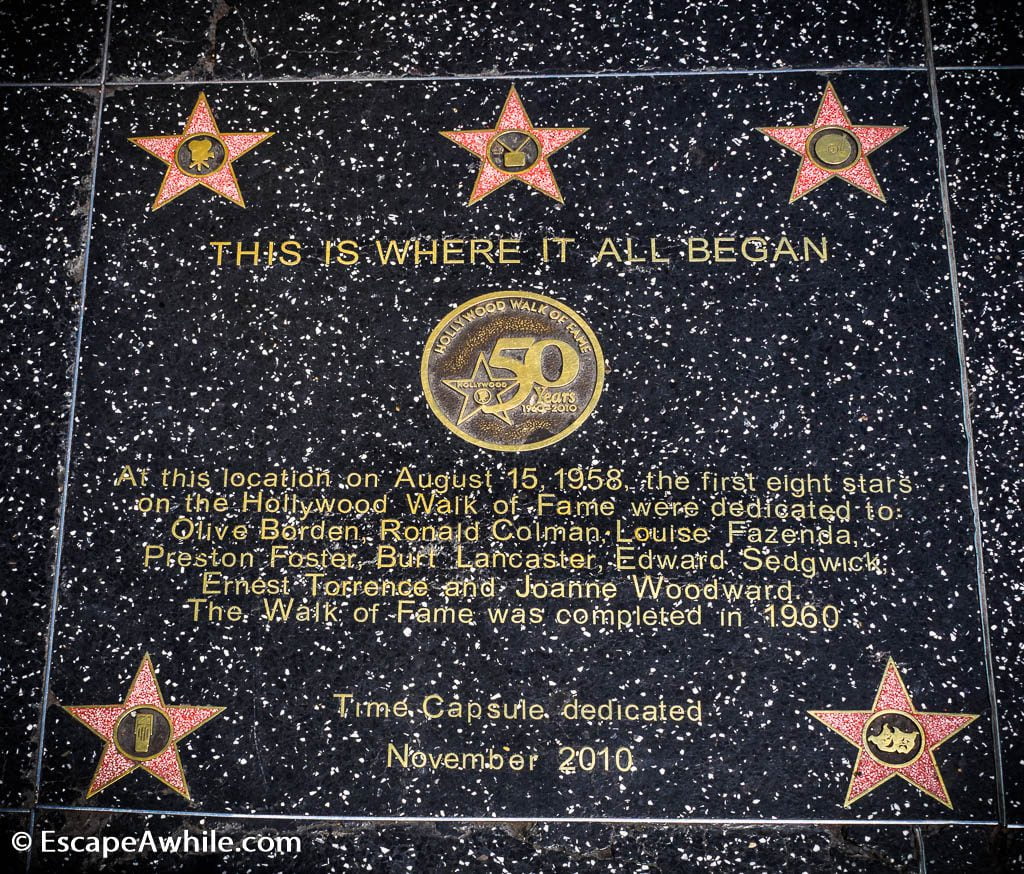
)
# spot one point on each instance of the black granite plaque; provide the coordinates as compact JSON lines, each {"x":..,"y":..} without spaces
{"x":392,"y":553}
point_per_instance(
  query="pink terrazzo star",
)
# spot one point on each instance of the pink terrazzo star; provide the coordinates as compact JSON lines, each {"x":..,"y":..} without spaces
{"x":894,"y":740}
{"x":141,"y":732}
{"x":200,"y":155}
{"x":514,"y":149}
{"x":831,"y":146}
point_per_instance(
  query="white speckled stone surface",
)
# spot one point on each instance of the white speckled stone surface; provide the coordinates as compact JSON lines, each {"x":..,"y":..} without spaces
{"x":983,"y":141}
{"x":261,"y":40}
{"x":847,"y":366}
{"x":44,"y":173}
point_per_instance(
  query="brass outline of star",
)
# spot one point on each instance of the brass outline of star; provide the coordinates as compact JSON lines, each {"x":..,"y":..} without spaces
{"x":467,"y":395}
{"x":223,"y":180}
{"x":513,"y":116}
{"x":922,"y":772}
{"x":831,"y":113}
{"x":101,"y":720}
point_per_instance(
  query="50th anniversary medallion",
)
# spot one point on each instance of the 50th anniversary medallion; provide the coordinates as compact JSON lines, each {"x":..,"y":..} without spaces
{"x":512,"y":371}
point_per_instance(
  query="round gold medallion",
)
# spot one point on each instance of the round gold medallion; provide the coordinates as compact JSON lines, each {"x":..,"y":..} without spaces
{"x":512,"y":370}
{"x":834,"y":148}
{"x":894,"y":738}
{"x":142,"y":733}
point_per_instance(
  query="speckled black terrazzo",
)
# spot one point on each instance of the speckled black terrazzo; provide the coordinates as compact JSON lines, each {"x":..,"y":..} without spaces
{"x":977,"y":33}
{"x":952,"y":850}
{"x":183,"y":360}
{"x":517,"y":848}
{"x":978,"y":113}
{"x":44,"y":181}
{"x":51,"y":40}
{"x":850,"y":366}
{"x":261,"y":40}
{"x":12,"y":823}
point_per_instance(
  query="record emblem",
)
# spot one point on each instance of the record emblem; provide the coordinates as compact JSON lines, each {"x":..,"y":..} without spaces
{"x":831,"y":146}
{"x":512,"y":370}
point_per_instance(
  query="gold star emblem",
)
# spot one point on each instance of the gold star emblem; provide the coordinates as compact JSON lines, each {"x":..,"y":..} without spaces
{"x":832,"y":146}
{"x":482,"y":393}
{"x":200,"y":155}
{"x":894,"y":739}
{"x":514,"y":149}
{"x":141,"y":732}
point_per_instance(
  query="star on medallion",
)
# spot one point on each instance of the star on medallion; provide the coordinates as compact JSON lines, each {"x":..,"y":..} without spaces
{"x":514,"y":149}
{"x":831,"y":146}
{"x":200,"y":155}
{"x":141,"y":732}
{"x":481,"y":391}
{"x":894,"y":739}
